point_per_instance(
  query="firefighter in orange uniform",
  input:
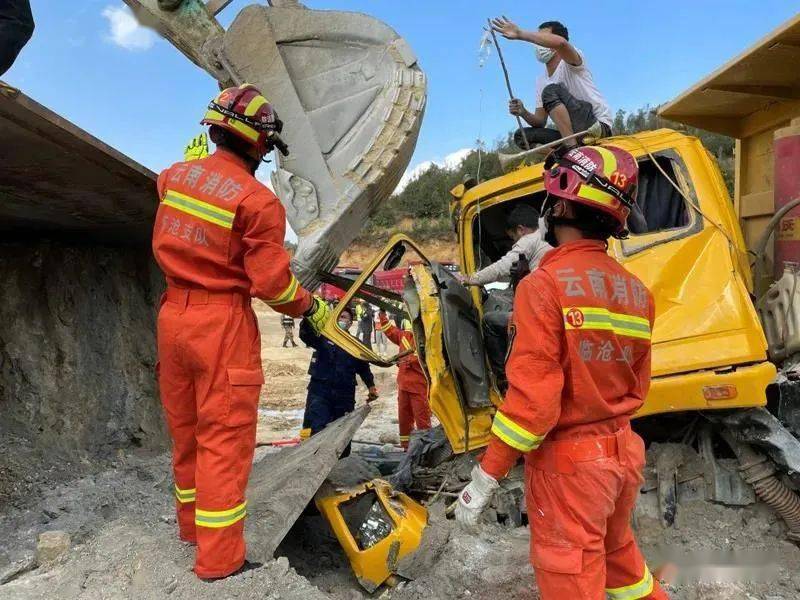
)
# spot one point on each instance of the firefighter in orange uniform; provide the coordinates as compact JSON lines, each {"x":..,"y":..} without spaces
{"x":218,"y":238}
{"x":413,"y":410}
{"x":578,"y":368}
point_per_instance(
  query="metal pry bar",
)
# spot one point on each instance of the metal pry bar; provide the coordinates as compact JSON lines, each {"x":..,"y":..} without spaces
{"x":508,"y":81}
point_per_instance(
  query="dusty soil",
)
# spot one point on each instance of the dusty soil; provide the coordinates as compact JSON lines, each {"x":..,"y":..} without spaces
{"x":120,"y":516}
{"x":358,"y":255}
{"x":283,"y":397}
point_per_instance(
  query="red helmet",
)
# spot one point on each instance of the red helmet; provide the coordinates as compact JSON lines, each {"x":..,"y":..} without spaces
{"x":248,"y":115}
{"x":601,"y":177}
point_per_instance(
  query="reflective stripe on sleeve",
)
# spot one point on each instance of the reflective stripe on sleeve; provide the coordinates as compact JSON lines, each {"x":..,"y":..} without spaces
{"x":385,"y":326}
{"x":185,"y":496}
{"x":591,"y":317}
{"x":515,"y":435}
{"x":406,"y":344}
{"x":198,"y":208}
{"x":220,"y":518}
{"x":640,"y":589}
{"x":286,"y":295}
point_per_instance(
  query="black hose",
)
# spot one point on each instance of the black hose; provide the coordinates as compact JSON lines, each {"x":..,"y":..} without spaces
{"x":758,"y":471}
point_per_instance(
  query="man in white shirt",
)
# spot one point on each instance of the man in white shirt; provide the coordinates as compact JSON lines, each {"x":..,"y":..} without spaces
{"x":565,"y":92}
{"x":522,"y":225}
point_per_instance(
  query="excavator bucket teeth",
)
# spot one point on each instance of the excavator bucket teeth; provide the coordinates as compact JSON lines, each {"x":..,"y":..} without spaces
{"x":352,"y":96}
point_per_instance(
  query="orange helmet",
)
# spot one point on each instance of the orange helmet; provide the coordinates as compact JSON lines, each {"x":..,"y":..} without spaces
{"x":248,"y":115}
{"x":601,"y":177}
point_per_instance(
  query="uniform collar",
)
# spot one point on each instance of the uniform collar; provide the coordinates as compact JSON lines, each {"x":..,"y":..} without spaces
{"x":576,"y":246}
{"x":228,"y":156}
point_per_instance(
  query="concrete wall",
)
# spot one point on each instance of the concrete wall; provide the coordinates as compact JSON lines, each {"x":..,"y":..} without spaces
{"x":77,"y":346}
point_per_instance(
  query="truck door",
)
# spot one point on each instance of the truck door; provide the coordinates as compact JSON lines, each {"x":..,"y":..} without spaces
{"x":447,"y":332}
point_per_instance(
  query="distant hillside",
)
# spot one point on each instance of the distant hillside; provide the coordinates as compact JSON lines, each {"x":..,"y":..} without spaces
{"x":360,"y":255}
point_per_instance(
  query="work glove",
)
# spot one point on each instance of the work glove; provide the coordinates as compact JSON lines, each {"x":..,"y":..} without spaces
{"x":196,"y":148}
{"x":373,"y":394}
{"x":317,"y":314}
{"x":475,"y":497}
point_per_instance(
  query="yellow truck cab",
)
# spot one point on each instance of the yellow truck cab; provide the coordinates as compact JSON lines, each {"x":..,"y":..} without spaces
{"x":709,"y":350}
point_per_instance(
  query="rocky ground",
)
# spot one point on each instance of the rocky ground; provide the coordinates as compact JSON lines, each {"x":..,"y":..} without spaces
{"x":122,"y":544}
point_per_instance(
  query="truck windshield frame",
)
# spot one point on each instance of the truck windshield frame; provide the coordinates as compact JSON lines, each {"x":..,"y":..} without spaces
{"x":638,"y":242}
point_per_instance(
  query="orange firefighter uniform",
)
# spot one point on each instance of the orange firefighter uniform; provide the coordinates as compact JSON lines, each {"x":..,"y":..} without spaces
{"x":218,"y":238}
{"x":578,"y":369}
{"x":413,"y":410}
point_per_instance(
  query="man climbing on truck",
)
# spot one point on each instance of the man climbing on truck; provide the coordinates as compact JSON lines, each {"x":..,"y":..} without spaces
{"x":413,"y":410}
{"x":218,"y":238}
{"x":578,"y":368}
{"x":565,"y":92}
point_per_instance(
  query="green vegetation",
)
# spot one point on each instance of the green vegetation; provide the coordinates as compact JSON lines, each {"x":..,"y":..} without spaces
{"x":422,"y":208}
{"x":644,"y":119}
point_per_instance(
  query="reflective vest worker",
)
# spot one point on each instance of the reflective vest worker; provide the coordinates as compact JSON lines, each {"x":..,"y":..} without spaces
{"x":413,"y":410}
{"x":578,"y":368}
{"x":218,"y":238}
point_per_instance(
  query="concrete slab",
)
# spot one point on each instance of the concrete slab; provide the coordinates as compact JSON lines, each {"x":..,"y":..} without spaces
{"x":283,"y":483}
{"x":57,"y":178}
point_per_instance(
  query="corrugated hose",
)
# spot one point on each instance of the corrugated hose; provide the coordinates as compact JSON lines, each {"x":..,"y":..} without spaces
{"x":758,"y":471}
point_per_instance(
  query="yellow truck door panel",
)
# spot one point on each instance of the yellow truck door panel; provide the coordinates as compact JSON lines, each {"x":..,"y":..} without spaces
{"x":704,"y":317}
{"x":465,"y":427}
{"x":387,"y":300}
{"x":462,"y":399}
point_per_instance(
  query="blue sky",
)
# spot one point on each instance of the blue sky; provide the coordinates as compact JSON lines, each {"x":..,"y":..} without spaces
{"x":143,"y":97}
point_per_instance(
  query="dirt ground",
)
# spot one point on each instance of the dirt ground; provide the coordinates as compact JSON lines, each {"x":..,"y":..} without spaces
{"x":120,"y":517}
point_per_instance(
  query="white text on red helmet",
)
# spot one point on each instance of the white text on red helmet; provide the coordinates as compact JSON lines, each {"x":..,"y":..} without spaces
{"x":580,"y":158}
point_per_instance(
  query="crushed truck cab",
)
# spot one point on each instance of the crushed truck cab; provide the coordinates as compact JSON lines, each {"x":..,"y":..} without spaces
{"x":709,"y":350}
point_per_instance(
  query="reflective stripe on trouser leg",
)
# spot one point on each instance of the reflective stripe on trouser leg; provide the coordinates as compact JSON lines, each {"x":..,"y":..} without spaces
{"x":185,"y":495}
{"x":220,"y":518}
{"x":635,"y":591}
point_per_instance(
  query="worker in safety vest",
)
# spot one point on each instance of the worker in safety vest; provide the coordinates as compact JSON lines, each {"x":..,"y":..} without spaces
{"x":578,"y":368}
{"x":413,"y":410}
{"x":218,"y":238}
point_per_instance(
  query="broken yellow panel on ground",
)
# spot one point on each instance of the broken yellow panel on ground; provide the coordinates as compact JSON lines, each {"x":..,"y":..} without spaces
{"x":376,"y":527}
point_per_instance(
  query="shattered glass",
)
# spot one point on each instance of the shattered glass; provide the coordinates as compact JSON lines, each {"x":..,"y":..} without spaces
{"x":376,"y":526}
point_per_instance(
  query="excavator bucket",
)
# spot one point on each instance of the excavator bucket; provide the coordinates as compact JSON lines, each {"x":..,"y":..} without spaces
{"x":348,"y":89}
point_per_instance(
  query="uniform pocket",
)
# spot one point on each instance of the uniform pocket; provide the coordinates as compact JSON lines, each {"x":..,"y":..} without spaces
{"x":244,"y":386}
{"x":567,"y":560}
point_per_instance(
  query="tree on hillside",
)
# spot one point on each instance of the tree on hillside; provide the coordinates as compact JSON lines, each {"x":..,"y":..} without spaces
{"x":644,"y":119}
{"x":425,"y":201}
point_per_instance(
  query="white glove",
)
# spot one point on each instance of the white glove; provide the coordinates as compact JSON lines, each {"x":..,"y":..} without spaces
{"x":475,"y":497}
